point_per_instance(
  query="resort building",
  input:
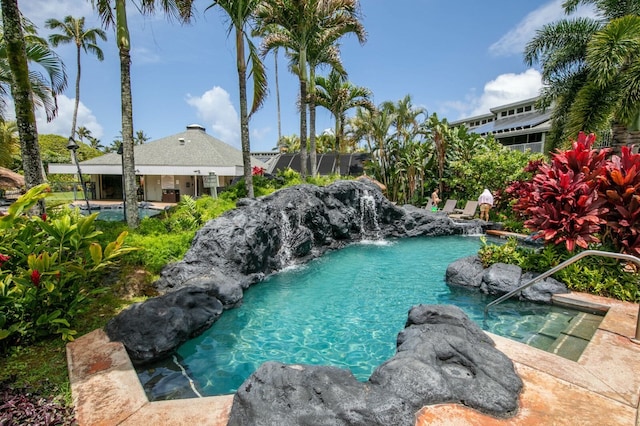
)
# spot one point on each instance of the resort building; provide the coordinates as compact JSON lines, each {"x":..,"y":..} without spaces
{"x":517,"y":125}
{"x":188,"y":163}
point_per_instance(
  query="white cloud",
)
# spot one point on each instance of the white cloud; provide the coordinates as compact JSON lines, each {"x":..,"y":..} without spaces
{"x":143,"y":55}
{"x":214,"y":107}
{"x":514,"y":42}
{"x":38,"y":11}
{"x":505,"y":89}
{"x":61,"y":125}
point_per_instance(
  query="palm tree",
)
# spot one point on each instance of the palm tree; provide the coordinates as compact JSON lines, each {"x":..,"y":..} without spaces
{"x":114,"y":13}
{"x":611,"y":92}
{"x":73,"y":31}
{"x":298,"y":24}
{"x":22,"y":95}
{"x":95,"y":143}
{"x":82,"y":133}
{"x":406,"y":118}
{"x":338,"y":96}
{"x":44,"y":90}
{"x":9,"y":142}
{"x":240,"y":14}
{"x":288,"y":144}
{"x":140,"y":137}
{"x":439,"y":133}
{"x":561,"y":49}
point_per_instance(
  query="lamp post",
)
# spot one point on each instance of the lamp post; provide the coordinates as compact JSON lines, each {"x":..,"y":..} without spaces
{"x":124,"y":192}
{"x":73,"y":147}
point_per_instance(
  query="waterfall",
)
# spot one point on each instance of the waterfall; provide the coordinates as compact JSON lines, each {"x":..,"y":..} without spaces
{"x":369,"y":226}
{"x":286,"y":231}
{"x":473,"y":230}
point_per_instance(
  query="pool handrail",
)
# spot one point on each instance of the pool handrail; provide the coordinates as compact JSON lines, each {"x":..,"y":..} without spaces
{"x":563,"y":265}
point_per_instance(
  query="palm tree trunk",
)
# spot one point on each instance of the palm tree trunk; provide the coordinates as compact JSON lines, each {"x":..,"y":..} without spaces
{"x":77,"y":100}
{"x":128,"y":160}
{"x":244,"y":116}
{"x":303,"y":128}
{"x":21,"y":93}
{"x":275,"y":59}
{"x":312,"y":122}
{"x":338,"y":134}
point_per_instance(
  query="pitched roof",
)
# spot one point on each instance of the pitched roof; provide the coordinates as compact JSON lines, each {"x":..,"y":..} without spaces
{"x":193,"y":147}
{"x":522,"y":121}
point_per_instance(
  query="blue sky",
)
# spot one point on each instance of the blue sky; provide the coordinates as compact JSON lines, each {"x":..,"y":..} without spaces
{"x":455,"y":58}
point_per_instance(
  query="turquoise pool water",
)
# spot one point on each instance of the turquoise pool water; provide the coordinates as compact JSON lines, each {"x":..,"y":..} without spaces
{"x":115,"y":215}
{"x":343,"y":309}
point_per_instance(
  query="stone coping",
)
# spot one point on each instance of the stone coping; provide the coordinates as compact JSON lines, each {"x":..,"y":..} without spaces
{"x":603,"y":387}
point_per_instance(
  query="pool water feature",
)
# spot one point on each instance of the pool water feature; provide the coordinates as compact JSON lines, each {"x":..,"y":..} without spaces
{"x":344,"y":309}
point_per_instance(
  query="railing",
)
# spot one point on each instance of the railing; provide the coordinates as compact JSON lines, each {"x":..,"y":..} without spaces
{"x":563,"y":265}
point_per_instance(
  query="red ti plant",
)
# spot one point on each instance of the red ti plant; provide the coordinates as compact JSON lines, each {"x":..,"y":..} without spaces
{"x":562,"y":200}
{"x":619,"y":186}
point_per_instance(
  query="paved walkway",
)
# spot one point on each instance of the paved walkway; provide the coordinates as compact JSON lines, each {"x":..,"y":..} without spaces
{"x":602,"y":388}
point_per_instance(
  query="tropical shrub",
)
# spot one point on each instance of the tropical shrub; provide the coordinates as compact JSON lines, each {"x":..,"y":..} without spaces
{"x":48,"y":267}
{"x":561,"y":202}
{"x":618,"y":185}
{"x":593,"y":274}
{"x":493,"y":166}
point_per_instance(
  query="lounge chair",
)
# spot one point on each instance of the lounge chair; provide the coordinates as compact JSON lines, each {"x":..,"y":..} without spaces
{"x":449,"y":206}
{"x":468,"y":212}
{"x":429,"y":204}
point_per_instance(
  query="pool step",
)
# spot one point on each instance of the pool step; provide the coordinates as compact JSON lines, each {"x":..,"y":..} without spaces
{"x":555,"y":324}
{"x":576,"y":336}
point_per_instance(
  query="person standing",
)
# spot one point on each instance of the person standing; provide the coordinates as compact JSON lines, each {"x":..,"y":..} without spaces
{"x":486,"y":202}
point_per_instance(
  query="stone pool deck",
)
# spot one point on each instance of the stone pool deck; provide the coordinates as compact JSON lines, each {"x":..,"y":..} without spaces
{"x":601,"y":388}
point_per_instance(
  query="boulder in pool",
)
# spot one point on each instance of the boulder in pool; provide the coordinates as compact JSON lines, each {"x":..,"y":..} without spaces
{"x":442,"y":357}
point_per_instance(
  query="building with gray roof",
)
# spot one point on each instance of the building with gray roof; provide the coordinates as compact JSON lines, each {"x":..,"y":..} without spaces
{"x":191,"y":162}
{"x":518,"y":125}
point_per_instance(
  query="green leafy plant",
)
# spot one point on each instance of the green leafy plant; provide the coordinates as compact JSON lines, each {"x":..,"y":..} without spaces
{"x":509,"y":252}
{"x":47,"y":270}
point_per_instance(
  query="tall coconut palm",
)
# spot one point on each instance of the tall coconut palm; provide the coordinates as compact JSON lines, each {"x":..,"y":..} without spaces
{"x":73,"y":31}
{"x":114,"y":13}
{"x":240,"y":13}
{"x":21,"y":92}
{"x":561,"y":49}
{"x":338,"y":95}
{"x":295,"y":25}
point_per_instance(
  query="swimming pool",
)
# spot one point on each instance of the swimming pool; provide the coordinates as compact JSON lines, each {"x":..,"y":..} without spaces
{"x":343,"y":309}
{"x":117,"y":214}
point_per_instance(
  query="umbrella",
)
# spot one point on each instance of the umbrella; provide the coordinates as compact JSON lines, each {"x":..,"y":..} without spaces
{"x":10,"y":180}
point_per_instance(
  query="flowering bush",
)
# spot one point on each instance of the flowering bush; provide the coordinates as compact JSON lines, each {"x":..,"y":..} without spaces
{"x":583,"y":198}
{"x":47,"y":268}
{"x":618,"y":187}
